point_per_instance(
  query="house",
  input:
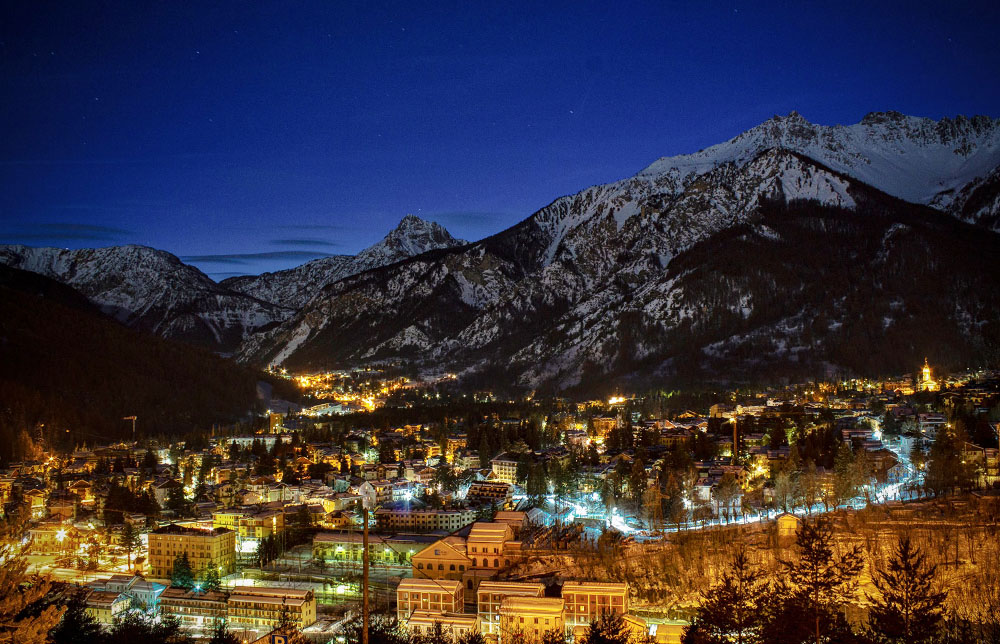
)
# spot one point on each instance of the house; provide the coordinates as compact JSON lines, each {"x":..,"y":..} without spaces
{"x":105,"y":605}
{"x":788,"y":524}
{"x":162,"y":490}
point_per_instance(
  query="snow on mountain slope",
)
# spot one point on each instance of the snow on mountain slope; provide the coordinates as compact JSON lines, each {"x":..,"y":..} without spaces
{"x":152,"y":290}
{"x":916,"y":159}
{"x":294,"y":287}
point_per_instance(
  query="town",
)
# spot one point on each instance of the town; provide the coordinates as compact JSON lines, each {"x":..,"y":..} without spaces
{"x":507,"y":518}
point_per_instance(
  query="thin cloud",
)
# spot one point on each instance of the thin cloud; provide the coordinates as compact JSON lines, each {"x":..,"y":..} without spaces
{"x":64,"y":231}
{"x":310,"y":227}
{"x":249,"y":258}
{"x":468,"y":216}
{"x":304,"y":242}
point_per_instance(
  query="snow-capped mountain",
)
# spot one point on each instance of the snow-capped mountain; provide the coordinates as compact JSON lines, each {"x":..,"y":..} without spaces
{"x":151,"y":290}
{"x":294,"y":287}
{"x":605,"y":280}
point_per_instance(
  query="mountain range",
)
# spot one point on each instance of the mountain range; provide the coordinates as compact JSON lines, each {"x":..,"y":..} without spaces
{"x":792,"y":249}
{"x":152,"y":290}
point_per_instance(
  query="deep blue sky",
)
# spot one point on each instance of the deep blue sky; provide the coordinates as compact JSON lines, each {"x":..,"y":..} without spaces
{"x":296,"y":129}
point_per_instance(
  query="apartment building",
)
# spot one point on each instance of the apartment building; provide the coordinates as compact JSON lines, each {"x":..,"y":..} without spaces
{"x":345,"y":547}
{"x":259,"y":608}
{"x":105,"y":605}
{"x":433,"y":595}
{"x":495,"y":492}
{"x":530,"y":617}
{"x":585,"y":601}
{"x":194,"y":609}
{"x":425,"y":520}
{"x":489,"y":599}
{"x":216,"y":547}
{"x":504,"y":469}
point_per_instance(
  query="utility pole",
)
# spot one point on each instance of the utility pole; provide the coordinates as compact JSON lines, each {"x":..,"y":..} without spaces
{"x":132,"y":418}
{"x":367,"y":491}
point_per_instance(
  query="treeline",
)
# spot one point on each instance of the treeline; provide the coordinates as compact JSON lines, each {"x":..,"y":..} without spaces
{"x":69,"y":375}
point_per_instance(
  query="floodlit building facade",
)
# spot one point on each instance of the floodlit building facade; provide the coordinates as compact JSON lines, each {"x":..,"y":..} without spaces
{"x":490,"y":597}
{"x":587,"y":600}
{"x":216,"y":547}
{"x":433,"y":595}
{"x":199,"y":610}
{"x":530,"y":617}
{"x":259,"y":608}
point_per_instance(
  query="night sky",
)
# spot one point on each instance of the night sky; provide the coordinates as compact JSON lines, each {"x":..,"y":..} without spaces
{"x":253,"y":136}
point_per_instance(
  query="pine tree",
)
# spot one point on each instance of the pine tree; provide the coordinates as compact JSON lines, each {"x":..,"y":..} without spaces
{"x":908,"y":609}
{"x":139,"y":627}
{"x":554,"y":636}
{"x":608,"y":628}
{"x":130,"y":540}
{"x":732,"y":610}
{"x":211,"y":579}
{"x":77,"y":626}
{"x":816,"y":585}
{"x":182,"y":575}
{"x":20,"y":591}
{"x":221,"y":635}
{"x":286,"y":626}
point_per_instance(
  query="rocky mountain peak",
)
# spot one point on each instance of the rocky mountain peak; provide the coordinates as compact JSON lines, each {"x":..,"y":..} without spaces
{"x":412,"y":236}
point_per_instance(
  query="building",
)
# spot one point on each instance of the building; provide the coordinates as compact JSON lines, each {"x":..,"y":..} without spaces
{"x":485,"y":544}
{"x":927,"y":382}
{"x":928,"y":424}
{"x":162,"y":490}
{"x":146,"y":594}
{"x":260,"y":525}
{"x":425,"y":520}
{"x":105,"y":605}
{"x":494,"y":492}
{"x":454,"y":626}
{"x":216,"y":547}
{"x":345,"y":547}
{"x":530,"y":617}
{"x":429,"y":595}
{"x":787,"y":524}
{"x":446,"y":558}
{"x":585,"y":601}
{"x":200,"y":610}
{"x":490,"y":596}
{"x":505,"y":468}
{"x":259,"y":608}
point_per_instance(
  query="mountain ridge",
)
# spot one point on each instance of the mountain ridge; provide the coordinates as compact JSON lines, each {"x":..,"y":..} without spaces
{"x":556,"y":266}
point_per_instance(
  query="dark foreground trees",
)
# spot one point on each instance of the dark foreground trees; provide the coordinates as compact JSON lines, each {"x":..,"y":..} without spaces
{"x":806,"y":601}
{"x":732,"y":610}
{"x":907,"y":608}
